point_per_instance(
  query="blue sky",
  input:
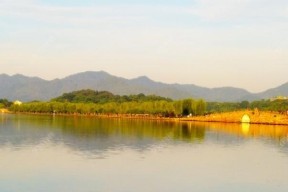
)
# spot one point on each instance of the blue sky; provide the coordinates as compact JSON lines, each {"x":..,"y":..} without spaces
{"x":213,"y":43}
{"x":115,"y":2}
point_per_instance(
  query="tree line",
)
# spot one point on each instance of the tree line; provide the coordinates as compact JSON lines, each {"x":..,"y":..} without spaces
{"x":4,"y":103}
{"x":263,"y":105}
{"x":91,"y":96}
{"x":161,"y":107}
{"x":103,"y":102}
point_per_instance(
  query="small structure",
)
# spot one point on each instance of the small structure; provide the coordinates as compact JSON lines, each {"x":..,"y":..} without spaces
{"x":245,"y":119}
{"x":17,"y":102}
{"x":279,"y":98}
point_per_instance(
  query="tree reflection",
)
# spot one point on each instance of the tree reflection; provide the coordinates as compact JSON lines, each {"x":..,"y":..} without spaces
{"x":189,"y":133}
{"x":94,"y":134}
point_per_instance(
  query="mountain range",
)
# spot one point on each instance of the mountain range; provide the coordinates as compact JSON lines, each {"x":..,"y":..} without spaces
{"x":20,"y":87}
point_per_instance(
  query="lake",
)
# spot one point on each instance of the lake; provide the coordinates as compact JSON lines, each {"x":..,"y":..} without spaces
{"x":86,"y":154}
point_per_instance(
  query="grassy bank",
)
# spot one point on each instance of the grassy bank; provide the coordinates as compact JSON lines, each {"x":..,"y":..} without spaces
{"x":4,"y":110}
{"x":256,"y":117}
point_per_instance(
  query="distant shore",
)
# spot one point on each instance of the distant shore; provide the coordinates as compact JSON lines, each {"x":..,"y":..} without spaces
{"x":256,"y":117}
{"x":4,"y":111}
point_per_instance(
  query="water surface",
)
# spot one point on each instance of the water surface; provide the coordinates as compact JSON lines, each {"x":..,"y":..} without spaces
{"x":46,"y":153}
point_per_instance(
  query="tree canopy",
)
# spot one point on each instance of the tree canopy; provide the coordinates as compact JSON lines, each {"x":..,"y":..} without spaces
{"x":91,"y":96}
{"x":4,"y":103}
{"x":103,"y":102}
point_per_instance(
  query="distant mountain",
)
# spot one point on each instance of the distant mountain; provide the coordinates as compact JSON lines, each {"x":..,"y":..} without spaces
{"x":278,"y":91}
{"x":33,"y":88}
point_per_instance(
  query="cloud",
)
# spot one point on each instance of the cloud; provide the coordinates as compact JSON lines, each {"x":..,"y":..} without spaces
{"x":69,"y":15}
{"x":248,"y":11}
{"x":239,"y":10}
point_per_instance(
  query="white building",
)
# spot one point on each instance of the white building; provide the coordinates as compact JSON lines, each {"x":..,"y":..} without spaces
{"x":17,"y":102}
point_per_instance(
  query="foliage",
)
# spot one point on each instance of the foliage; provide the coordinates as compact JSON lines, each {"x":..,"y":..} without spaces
{"x":91,"y":96}
{"x":263,"y":105}
{"x":217,"y":107}
{"x":4,"y":103}
{"x":267,"y":105}
{"x":103,"y":102}
{"x":165,"y":108}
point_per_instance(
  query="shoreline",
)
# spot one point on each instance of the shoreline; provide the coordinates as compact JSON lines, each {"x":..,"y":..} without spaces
{"x":3,"y":110}
{"x":256,"y":117}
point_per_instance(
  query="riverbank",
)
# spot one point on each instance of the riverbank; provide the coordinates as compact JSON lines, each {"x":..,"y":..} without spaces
{"x":4,"y":111}
{"x":255,"y":117}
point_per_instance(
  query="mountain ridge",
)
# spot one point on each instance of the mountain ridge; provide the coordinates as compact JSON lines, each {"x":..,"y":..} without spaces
{"x":27,"y":88}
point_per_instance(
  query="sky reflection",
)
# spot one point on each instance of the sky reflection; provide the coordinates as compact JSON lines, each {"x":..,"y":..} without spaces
{"x":46,"y":154}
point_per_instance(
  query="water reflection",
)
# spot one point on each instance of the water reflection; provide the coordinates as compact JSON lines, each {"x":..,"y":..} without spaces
{"x":91,"y":134}
{"x":98,"y":135}
{"x":45,"y":153}
{"x":249,"y":130}
{"x":245,"y":127}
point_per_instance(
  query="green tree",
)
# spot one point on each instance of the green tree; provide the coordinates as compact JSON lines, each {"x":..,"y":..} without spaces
{"x":201,"y":107}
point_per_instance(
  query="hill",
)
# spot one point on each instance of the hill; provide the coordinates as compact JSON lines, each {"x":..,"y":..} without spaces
{"x":278,"y":91}
{"x":91,"y":96}
{"x":33,"y":88}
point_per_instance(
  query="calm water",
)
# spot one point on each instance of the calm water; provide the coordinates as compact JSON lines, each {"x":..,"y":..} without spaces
{"x":44,"y":153}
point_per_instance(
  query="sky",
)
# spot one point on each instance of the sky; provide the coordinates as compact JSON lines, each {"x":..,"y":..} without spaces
{"x":211,"y":43}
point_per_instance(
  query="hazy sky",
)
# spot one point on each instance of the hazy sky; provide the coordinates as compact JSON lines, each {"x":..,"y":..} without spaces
{"x":211,"y":43}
